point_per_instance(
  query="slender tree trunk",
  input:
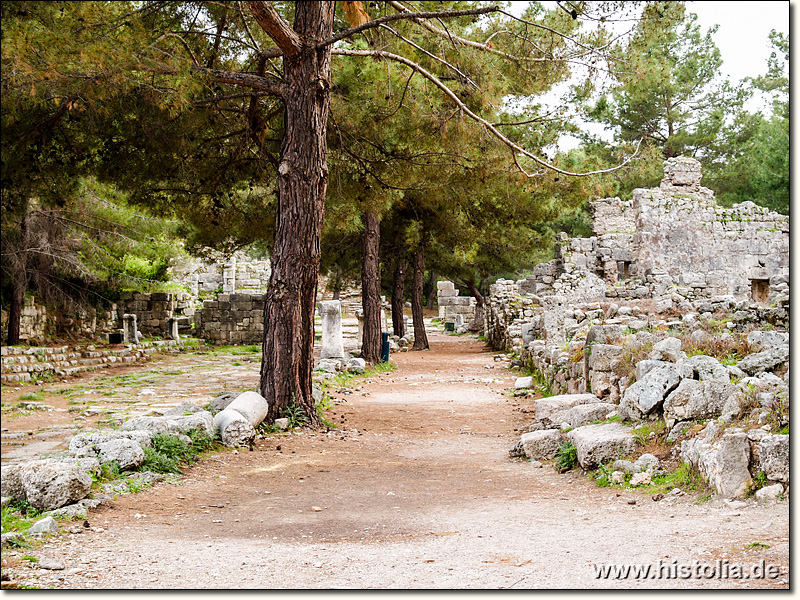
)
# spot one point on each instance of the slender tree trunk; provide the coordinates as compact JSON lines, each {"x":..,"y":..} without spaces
{"x":287,"y":357}
{"x":19,"y":285}
{"x":477,"y":320}
{"x":432,"y":290}
{"x":398,"y":297}
{"x":371,"y":288}
{"x":420,"y":337}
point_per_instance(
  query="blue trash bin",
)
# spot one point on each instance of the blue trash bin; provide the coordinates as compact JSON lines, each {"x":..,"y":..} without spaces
{"x":385,"y":347}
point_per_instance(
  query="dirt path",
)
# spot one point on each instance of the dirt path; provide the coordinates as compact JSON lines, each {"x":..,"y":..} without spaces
{"x":415,"y":490}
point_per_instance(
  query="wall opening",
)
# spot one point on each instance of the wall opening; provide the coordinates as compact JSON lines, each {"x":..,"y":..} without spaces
{"x":624,"y":269}
{"x":760,"y":290}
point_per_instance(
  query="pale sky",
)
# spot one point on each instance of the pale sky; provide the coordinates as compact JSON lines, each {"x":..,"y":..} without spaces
{"x":742,"y":38}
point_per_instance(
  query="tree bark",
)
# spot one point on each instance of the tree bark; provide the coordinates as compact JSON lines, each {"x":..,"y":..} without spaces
{"x":287,"y":357}
{"x":371,"y":288}
{"x":477,"y":320}
{"x":432,"y":290}
{"x":420,"y":337}
{"x":398,"y":297}
{"x":19,"y":283}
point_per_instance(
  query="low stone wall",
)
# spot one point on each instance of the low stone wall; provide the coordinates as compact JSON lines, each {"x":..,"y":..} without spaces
{"x":231,"y":319}
{"x":21,"y":364}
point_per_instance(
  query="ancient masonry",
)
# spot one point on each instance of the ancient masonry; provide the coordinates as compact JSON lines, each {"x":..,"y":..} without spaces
{"x":664,"y":272}
{"x":453,"y":308}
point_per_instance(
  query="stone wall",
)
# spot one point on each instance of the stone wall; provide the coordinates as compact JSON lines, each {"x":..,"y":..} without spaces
{"x":680,"y":234}
{"x":452,"y":307}
{"x":236,"y":274}
{"x":152,"y":310}
{"x":38,"y":323}
{"x":231,"y":319}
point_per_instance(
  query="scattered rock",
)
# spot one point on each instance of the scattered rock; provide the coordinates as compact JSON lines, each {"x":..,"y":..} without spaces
{"x":696,"y":400}
{"x":766,"y":360}
{"x":126,"y":452}
{"x":46,"y":525}
{"x":523,"y":383}
{"x":151,"y":424}
{"x":50,"y":564}
{"x":555,"y":408}
{"x":648,"y":462}
{"x":703,"y":368}
{"x":769,"y":494}
{"x":643,"y":478}
{"x":773,"y":454}
{"x":584,"y":414}
{"x":47,"y":485}
{"x":626,"y":466}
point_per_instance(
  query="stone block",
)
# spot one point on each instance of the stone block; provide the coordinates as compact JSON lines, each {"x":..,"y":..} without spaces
{"x":585,"y":414}
{"x":598,"y":444}
{"x":555,"y":408}
{"x":541,"y":444}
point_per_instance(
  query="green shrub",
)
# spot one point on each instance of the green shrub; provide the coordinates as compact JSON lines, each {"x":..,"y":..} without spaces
{"x":168,"y":453}
{"x":566,"y":456}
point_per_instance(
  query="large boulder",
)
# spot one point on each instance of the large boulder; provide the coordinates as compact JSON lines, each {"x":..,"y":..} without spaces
{"x":647,"y":394}
{"x":668,"y":349}
{"x":643,"y":367}
{"x":703,"y":368}
{"x":85,"y":444}
{"x":773,"y":453}
{"x":127,"y":453}
{"x":722,"y":462}
{"x":46,"y":485}
{"x":768,"y":339}
{"x":766,"y":360}
{"x":694,"y":399}
{"x":151,"y":424}
{"x":585,"y":414}
{"x":597,"y":444}
{"x":202,"y":421}
{"x":554,"y":409}
{"x":604,"y":357}
{"x":541,"y":444}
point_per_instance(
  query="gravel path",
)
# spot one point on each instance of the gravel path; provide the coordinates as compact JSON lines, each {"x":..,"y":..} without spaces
{"x":414,"y":490}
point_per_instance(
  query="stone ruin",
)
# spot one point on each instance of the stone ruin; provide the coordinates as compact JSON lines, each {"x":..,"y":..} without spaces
{"x":613,"y":325}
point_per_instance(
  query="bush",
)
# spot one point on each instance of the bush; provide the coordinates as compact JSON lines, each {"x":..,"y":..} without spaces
{"x":168,"y":453}
{"x":566,"y":457}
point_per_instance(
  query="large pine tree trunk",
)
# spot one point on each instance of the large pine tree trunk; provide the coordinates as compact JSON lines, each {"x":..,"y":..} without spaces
{"x":287,"y":358}
{"x":371,"y":288}
{"x":398,"y":297}
{"x":420,"y":337}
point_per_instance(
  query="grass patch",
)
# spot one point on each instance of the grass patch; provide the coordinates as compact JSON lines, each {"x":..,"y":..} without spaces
{"x":18,"y":517}
{"x":684,"y":477}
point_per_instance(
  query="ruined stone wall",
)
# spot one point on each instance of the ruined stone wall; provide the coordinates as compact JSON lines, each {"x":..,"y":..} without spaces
{"x":452,"y":306}
{"x":236,"y":274}
{"x":231,"y":319}
{"x":152,"y":310}
{"x":706,"y":247}
{"x":38,"y":323}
